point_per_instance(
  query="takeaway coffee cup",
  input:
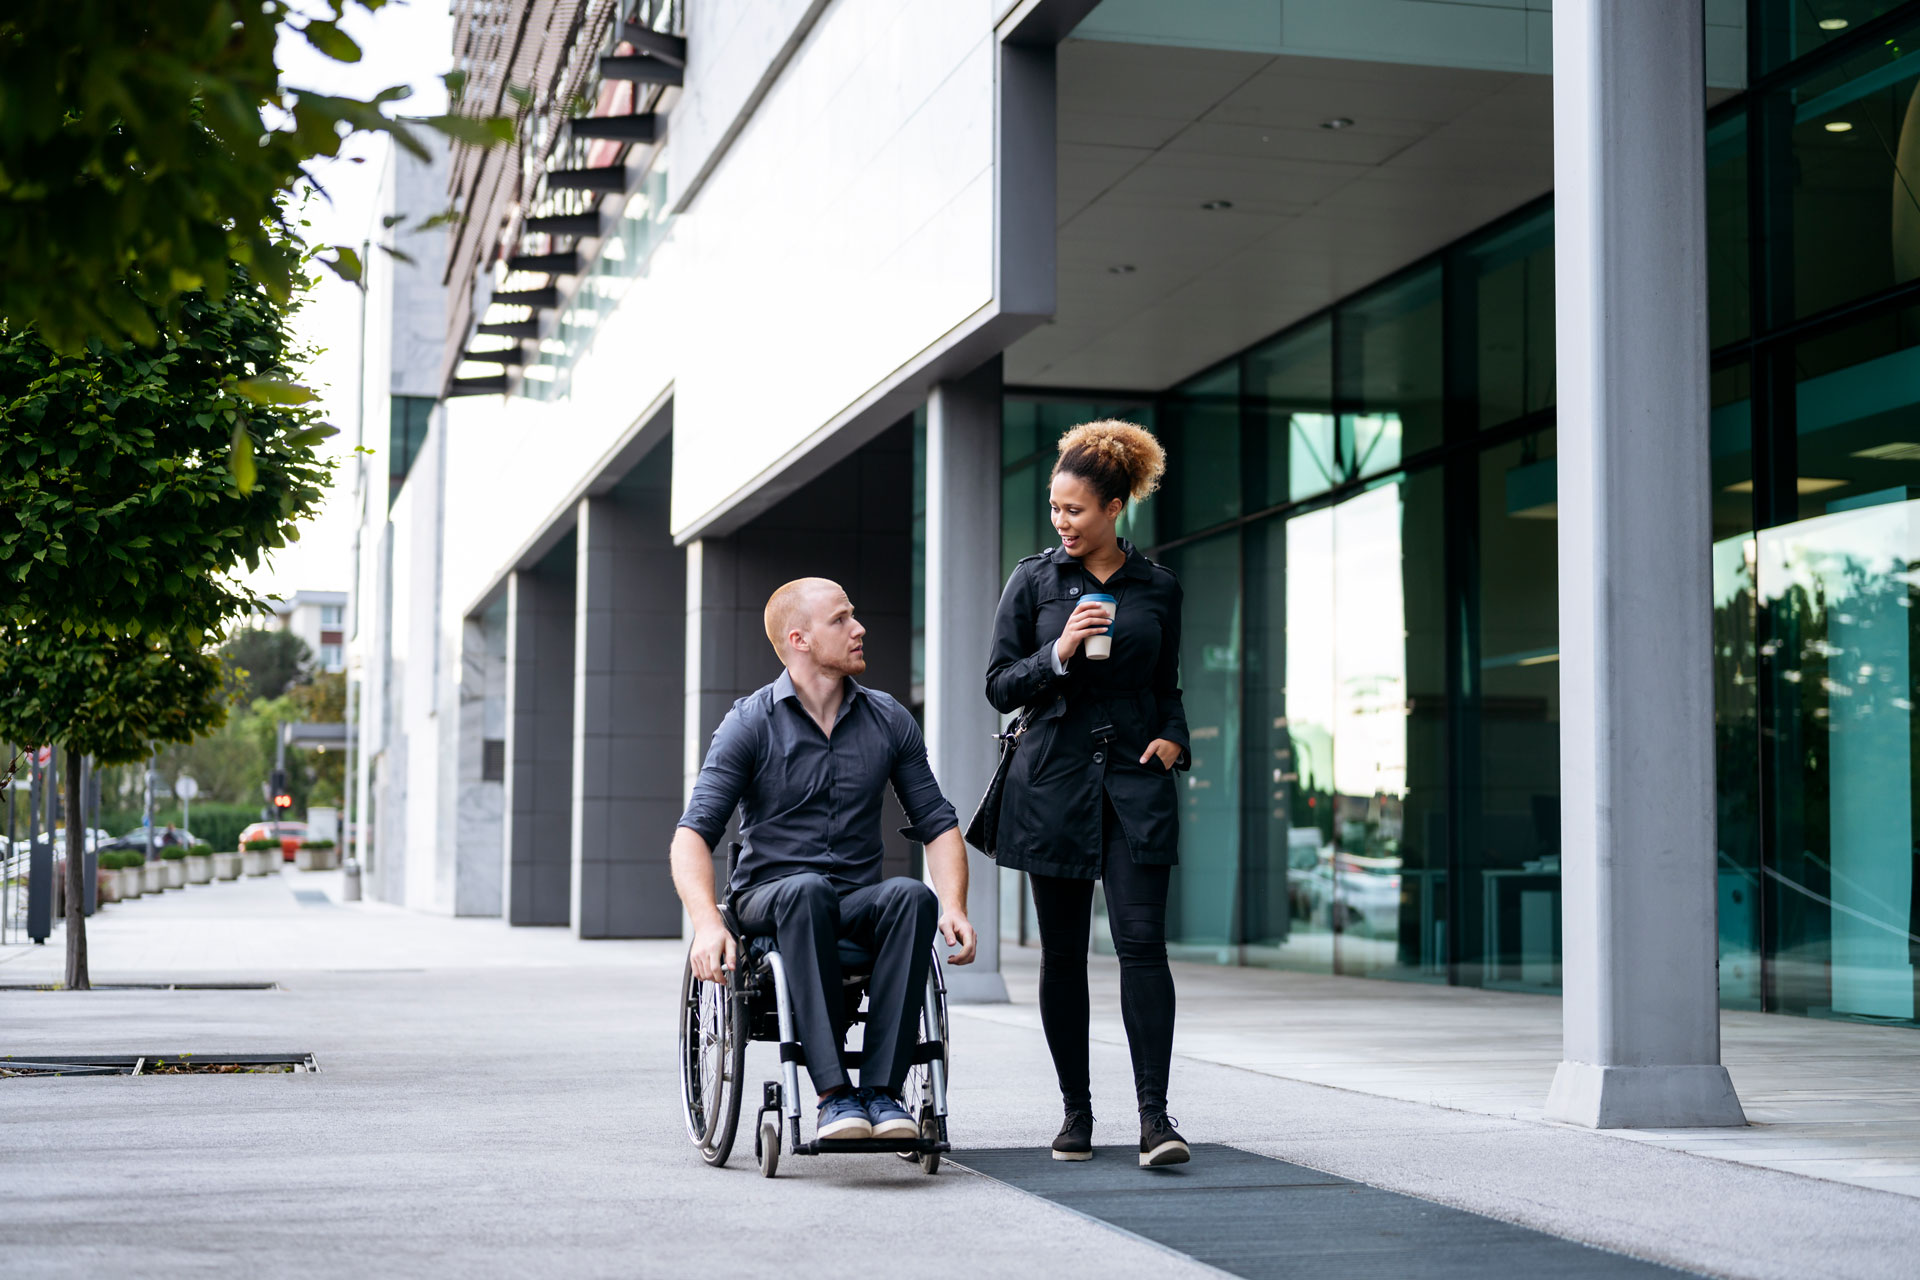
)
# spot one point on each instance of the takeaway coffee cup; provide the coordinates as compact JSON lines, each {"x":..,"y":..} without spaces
{"x":1101,"y":646}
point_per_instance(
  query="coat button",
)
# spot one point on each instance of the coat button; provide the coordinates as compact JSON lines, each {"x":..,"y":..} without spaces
{"x":1073,"y":591}
{"x":1099,"y":757}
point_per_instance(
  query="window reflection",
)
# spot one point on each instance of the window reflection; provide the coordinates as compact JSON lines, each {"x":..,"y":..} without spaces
{"x":1389,"y":375}
{"x":1516,"y":856}
{"x":1854,"y":155}
{"x":1838,"y":591}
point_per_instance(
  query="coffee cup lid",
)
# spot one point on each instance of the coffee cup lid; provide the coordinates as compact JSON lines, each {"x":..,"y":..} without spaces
{"x":1102,"y":598}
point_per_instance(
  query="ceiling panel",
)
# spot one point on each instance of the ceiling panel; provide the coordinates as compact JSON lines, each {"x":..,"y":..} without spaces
{"x":1148,"y":135}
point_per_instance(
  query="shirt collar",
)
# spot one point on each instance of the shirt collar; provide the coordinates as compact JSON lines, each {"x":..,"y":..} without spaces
{"x":1134,"y":566}
{"x":783,"y":690}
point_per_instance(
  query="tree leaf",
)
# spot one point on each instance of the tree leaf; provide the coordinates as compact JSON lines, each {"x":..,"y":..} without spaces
{"x":241,"y":459}
{"x":329,"y":39}
{"x":274,"y":391}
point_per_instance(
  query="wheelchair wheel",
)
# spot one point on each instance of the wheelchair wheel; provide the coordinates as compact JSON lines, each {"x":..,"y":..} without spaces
{"x":918,"y":1091}
{"x":713,"y":1061}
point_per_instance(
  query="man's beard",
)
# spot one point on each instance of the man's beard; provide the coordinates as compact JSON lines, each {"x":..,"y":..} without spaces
{"x":851,"y":664}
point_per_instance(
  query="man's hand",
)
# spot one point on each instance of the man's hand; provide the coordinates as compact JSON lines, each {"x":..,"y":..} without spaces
{"x":957,"y":931}
{"x":713,"y":951}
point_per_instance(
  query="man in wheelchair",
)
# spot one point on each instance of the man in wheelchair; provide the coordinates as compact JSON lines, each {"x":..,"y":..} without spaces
{"x":807,"y":759}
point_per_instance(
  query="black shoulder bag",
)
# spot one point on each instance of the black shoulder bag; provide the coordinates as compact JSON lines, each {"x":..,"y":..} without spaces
{"x":983,"y":833}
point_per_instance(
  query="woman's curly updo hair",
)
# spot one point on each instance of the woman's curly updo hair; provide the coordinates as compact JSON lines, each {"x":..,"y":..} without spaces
{"x":1118,"y":459}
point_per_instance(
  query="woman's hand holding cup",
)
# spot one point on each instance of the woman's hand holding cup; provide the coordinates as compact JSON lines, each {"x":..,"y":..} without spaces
{"x":1089,"y":619}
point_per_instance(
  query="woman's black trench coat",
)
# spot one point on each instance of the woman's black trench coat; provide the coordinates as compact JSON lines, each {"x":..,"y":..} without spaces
{"x":1095,"y":722}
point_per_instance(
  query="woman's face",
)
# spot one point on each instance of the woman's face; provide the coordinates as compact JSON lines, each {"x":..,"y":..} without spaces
{"x":1084,"y":523}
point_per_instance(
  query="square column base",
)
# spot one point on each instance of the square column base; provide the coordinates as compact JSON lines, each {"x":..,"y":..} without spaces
{"x":968,"y":986}
{"x":1684,"y":1097}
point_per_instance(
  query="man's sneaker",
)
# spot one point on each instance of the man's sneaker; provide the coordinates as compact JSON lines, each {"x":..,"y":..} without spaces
{"x":1076,"y":1137}
{"x":889,"y":1118}
{"x":1160,"y":1142}
{"x":843,"y":1116}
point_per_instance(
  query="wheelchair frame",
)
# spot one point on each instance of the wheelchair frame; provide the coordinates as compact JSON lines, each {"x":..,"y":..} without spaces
{"x":717,"y":1020}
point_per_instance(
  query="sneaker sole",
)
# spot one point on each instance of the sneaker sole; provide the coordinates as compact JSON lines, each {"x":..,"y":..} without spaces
{"x":896,"y":1129}
{"x":845,"y":1129}
{"x":1166,"y":1153}
{"x":1073,"y":1155}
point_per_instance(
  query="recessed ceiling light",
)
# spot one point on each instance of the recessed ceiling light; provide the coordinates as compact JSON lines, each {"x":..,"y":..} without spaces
{"x":1213,"y":205}
{"x":1833,"y":24}
{"x":1839,"y":126}
{"x":1896,"y":451}
{"x":1123,"y":269}
{"x":1338,"y":122}
{"x":1802,"y":485}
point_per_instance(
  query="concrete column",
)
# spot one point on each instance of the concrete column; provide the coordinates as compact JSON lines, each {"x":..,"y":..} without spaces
{"x":963,"y":587}
{"x":629,"y":668}
{"x":479,"y":810}
{"x":537,"y":839}
{"x":1642,"y":1016}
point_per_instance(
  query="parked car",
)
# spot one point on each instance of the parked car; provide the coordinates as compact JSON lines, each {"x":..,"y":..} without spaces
{"x":281,"y":831}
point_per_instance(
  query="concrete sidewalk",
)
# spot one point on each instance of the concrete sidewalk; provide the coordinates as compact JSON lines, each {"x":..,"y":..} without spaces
{"x":491,"y":1101}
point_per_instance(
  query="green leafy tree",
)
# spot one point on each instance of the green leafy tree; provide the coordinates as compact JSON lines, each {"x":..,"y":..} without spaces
{"x":119,"y":512}
{"x":266,"y":660}
{"x":109,"y":697}
{"x":146,"y":146}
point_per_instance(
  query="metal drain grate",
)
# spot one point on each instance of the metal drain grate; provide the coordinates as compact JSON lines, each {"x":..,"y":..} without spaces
{"x":4,"y":987}
{"x":312,"y":898}
{"x":155,"y":1064}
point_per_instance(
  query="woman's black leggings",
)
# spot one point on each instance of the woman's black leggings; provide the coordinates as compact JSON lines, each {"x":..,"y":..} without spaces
{"x":1137,"y":916}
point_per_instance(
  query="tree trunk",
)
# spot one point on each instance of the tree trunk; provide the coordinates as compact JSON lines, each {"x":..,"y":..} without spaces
{"x":77,"y":979}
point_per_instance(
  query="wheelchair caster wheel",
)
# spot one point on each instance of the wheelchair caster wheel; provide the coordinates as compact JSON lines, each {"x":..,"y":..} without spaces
{"x":930,"y":1132}
{"x":768,"y":1147}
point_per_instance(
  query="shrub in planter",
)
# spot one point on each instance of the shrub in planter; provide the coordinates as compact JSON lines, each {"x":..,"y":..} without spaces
{"x":200,"y":863}
{"x":173,"y":859}
{"x":258,"y":857}
{"x":314,"y":855}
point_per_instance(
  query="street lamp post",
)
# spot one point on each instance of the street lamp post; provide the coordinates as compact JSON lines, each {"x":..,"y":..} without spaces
{"x":350,"y":864}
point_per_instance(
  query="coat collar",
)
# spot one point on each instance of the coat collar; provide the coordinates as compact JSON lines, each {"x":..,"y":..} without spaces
{"x":1135,"y":566}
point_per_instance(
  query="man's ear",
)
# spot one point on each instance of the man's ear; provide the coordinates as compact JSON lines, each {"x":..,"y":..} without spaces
{"x":797,"y":642}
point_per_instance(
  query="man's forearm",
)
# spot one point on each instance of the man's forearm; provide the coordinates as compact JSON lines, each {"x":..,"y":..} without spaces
{"x":947,"y":865}
{"x":691,"y":859}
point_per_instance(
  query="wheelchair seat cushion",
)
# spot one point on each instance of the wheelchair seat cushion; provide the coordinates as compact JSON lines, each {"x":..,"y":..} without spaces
{"x":854,"y":958}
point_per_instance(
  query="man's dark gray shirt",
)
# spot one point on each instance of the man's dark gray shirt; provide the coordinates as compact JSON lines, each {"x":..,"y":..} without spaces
{"x":810,"y":802}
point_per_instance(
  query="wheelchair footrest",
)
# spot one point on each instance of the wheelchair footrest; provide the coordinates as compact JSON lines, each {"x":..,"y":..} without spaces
{"x":835,"y":1146}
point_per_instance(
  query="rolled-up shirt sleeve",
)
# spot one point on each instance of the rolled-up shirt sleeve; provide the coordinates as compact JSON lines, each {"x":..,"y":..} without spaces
{"x":723,"y":779}
{"x":927,"y":809}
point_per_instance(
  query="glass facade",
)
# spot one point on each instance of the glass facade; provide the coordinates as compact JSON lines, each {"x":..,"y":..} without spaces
{"x":1363,"y":512}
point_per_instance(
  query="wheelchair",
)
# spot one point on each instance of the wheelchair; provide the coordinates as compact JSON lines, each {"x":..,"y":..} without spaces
{"x":717,"y":1019}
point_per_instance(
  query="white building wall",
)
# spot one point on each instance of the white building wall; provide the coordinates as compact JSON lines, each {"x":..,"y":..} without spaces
{"x":846,"y":230}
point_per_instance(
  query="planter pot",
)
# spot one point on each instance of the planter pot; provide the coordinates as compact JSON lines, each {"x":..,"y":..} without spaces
{"x":132,"y":882}
{"x":226,"y":866}
{"x":199,"y":868}
{"x":176,"y":873}
{"x":109,"y":890}
{"x":310,"y":860}
{"x":153,"y":876}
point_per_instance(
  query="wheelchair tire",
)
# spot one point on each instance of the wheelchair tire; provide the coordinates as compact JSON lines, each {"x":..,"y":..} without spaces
{"x":713,"y":1064}
{"x":769,"y":1147}
{"x":930,"y":1132}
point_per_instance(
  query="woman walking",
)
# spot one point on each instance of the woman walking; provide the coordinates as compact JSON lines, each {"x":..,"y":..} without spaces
{"x":1088,"y":637}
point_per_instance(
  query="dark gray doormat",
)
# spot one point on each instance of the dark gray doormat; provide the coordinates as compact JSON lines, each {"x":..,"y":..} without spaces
{"x":312,"y":898}
{"x":1258,"y":1217}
